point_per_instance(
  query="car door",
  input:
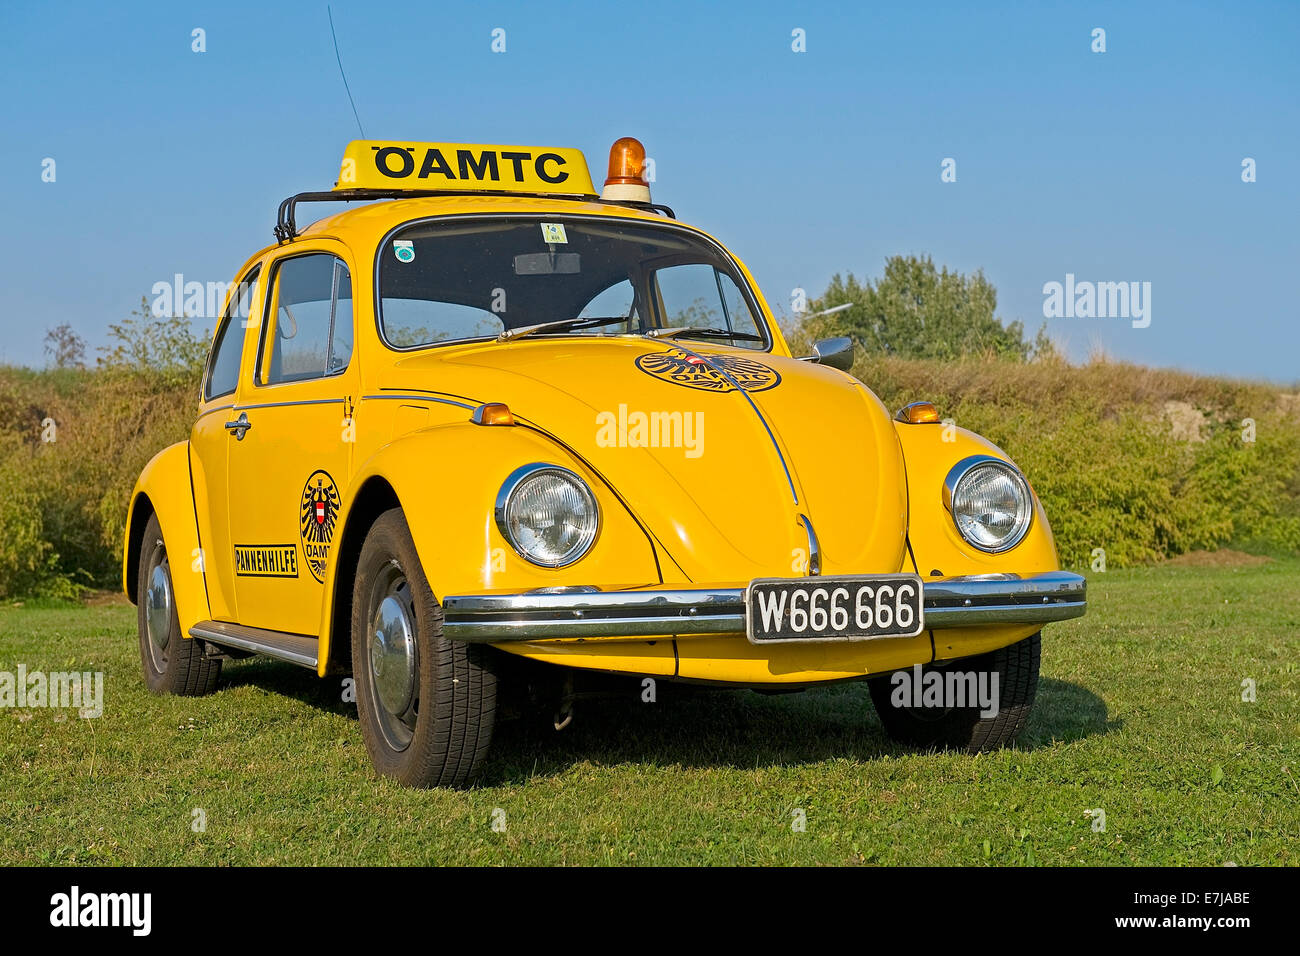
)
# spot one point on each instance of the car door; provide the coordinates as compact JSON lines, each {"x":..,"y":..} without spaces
{"x":289,"y":472}
{"x":210,"y":441}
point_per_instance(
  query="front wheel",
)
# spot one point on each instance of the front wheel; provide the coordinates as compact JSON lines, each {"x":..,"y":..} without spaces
{"x":426,"y":704}
{"x":973,"y":704}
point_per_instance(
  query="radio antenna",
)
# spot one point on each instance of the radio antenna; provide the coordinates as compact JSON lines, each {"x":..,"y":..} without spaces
{"x":342,"y":74}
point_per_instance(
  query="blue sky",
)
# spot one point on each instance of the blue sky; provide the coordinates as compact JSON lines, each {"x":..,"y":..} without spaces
{"x":1115,"y":166}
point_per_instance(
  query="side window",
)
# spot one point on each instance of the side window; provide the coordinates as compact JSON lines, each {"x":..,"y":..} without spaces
{"x":308,"y":332}
{"x":689,"y":294}
{"x":740,"y":319}
{"x":223,"y":366}
{"x":342,"y":327}
{"x":697,"y":295}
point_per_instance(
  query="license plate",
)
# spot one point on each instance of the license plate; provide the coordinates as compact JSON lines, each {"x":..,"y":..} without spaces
{"x":833,"y":608}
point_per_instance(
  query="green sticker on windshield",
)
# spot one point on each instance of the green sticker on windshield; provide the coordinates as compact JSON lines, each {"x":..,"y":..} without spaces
{"x":404,"y":249}
{"x":554,"y":232}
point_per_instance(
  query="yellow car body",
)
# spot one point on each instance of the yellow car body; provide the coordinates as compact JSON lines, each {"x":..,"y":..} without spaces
{"x":244,"y":504}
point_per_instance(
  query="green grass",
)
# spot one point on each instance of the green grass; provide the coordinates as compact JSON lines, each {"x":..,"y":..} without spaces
{"x":1139,"y":713}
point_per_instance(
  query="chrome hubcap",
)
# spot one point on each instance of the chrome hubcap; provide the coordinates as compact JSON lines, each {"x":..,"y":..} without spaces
{"x":158,"y":613}
{"x":392,"y":655}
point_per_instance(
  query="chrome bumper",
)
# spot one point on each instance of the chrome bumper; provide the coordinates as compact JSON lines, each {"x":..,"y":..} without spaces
{"x":684,"y":611}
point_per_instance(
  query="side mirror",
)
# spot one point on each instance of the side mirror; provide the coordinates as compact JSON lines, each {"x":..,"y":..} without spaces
{"x":836,"y":352}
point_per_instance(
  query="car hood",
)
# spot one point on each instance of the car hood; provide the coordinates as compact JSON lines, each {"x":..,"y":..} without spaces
{"x":718,"y":452}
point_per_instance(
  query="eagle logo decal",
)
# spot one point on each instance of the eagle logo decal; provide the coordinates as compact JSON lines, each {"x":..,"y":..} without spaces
{"x":712,"y":374}
{"x":318,"y":516}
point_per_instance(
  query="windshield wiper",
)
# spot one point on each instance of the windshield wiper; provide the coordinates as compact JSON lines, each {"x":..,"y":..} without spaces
{"x":578,"y":323}
{"x":686,"y":331}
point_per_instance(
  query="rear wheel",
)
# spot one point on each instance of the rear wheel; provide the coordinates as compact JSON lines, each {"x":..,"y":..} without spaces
{"x":172,"y":662}
{"x":925,"y":723}
{"x":426,"y":704}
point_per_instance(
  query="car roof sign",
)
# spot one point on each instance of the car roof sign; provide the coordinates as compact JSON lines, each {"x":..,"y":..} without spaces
{"x":464,"y":167}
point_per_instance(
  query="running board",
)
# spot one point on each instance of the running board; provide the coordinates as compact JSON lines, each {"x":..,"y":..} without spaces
{"x":295,"y":648}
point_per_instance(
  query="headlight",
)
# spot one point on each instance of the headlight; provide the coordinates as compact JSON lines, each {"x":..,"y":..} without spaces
{"x":548,"y":514}
{"x":990,"y":502}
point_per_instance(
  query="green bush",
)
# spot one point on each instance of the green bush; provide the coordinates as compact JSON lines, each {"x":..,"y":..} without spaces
{"x":27,"y":560}
{"x":73,"y":442}
{"x":1107,"y":448}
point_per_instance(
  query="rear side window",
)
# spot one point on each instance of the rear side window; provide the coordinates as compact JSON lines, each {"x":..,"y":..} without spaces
{"x":223,"y":366}
{"x":308,"y":332}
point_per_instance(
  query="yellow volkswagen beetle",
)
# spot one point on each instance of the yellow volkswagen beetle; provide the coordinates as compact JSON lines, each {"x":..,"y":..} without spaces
{"x":491,"y":412}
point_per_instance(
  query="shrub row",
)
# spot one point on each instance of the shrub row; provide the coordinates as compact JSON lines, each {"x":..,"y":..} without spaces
{"x":1143,"y":463}
{"x":72,"y":443}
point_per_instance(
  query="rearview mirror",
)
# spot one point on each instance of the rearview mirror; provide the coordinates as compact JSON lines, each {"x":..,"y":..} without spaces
{"x":836,"y":352}
{"x":548,"y":263}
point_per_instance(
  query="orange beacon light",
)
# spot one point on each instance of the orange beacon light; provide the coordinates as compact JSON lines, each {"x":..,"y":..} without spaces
{"x":626,"y":181}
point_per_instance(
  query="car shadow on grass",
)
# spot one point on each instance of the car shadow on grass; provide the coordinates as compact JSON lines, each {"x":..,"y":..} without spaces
{"x":1065,"y":712}
{"x":704,"y":728}
{"x":691,"y":726}
{"x":277,"y":677}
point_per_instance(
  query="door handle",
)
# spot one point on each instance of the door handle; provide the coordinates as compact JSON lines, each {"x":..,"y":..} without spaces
{"x":239,"y":426}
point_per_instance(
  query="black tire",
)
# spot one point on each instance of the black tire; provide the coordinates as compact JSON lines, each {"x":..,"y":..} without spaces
{"x":445,"y":690}
{"x":1016,"y":667}
{"x":173,"y":663}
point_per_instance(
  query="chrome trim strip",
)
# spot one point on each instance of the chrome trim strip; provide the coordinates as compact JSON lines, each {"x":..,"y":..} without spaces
{"x":216,"y":408}
{"x":304,"y":401}
{"x":814,"y":547}
{"x":420,"y":398}
{"x":664,"y":612}
{"x":768,"y":428}
{"x":297,"y":649}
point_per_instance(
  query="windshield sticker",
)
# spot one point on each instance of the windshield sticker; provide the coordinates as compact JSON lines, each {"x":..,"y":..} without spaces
{"x":553,"y":232}
{"x":716,"y":374}
{"x":404,"y":249}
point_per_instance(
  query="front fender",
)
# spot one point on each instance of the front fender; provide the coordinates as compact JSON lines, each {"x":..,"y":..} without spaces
{"x":446,"y":478}
{"x":164,"y":489}
{"x":940,"y":550}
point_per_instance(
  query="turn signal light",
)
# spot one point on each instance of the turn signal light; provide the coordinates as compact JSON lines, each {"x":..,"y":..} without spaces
{"x":918,"y":413}
{"x":493,"y":413}
{"x":626,"y":181}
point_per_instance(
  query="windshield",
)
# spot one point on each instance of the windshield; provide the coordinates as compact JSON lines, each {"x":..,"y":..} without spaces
{"x":447,"y":281}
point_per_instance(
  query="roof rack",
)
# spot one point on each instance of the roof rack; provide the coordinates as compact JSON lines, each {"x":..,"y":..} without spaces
{"x":286,"y":226}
